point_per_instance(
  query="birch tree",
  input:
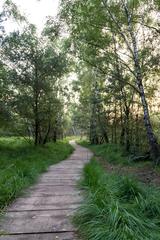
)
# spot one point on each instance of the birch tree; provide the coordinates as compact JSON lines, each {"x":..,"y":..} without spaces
{"x":105,"y":33}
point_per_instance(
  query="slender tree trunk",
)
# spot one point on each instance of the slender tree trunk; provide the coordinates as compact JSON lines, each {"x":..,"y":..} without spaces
{"x":115,"y":124}
{"x":47,"y":134}
{"x":55,"y":135}
{"x":127,"y":130}
{"x":36,"y":141}
{"x":103,"y":128}
{"x":40,"y":134}
{"x":105,"y":135}
{"x":154,"y":147}
{"x":137,"y":133}
{"x":93,"y":132}
{"x":36,"y":114}
{"x":93,"y":123}
{"x":122,"y":133}
{"x":36,"y":134}
{"x":112,"y":134}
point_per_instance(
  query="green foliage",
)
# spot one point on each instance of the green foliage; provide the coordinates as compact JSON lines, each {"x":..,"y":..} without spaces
{"x":111,"y":46}
{"x":52,"y":29}
{"x":116,"y":207}
{"x":5,"y":92}
{"x":11,"y":10}
{"x":21,"y":163}
{"x":34,"y":71}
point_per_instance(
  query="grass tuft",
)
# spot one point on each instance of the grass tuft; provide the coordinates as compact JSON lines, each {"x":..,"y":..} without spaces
{"x":129,"y":189}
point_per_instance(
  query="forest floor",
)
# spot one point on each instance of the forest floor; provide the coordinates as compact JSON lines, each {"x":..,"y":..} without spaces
{"x":45,"y":210}
{"x":144,"y":172}
{"x":113,"y":159}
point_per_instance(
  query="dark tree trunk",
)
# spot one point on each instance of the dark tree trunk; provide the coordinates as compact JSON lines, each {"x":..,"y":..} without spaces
{"x":131,"y":129}
{"x":137,"y":142}
{"x":122,"y":133}
{"x":112,"y":134}
{"x":36,"y":134}
{"x":115,"y":124}
{"x":36,"y":114}
{"x":102,"y":127}
{"x":47,"y":134}
{"x":40,"y":138}
{"x":55,"y":135}
{"x":93,"y":131}
{"x":105,"y":135}
{"x":127,"y":130}
{"x":93,"y":123}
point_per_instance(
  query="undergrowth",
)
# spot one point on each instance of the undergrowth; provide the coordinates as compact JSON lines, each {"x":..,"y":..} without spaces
{"x":117,"y":207}
{"x":21,"y":163}
{"x":115,"y":154}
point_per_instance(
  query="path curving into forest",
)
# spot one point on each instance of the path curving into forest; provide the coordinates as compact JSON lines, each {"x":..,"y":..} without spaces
{"x":45,"y":211}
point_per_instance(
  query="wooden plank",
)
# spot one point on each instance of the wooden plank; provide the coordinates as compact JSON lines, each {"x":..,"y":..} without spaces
{"x":37,"y":222}
{"x":50,"y":202}
{"x":42,"y":236}
{"x":52,"y":190}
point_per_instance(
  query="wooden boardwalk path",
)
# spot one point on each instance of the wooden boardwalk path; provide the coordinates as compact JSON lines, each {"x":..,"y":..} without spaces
{"x":44,"y":212}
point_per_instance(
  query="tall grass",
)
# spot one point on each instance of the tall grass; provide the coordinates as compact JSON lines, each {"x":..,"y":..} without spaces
{"x":117,"y":207}
{"x":21,"y":163}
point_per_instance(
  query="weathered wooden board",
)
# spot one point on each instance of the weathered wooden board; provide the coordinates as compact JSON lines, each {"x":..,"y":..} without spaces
{"x":37,"y":222}
{"x":47,"y":203}
{"x":47,"y":236}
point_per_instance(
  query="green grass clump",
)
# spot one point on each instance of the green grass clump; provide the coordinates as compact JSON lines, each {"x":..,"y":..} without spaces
{"x":117,"y":207}
{"x":21,"y":163}
{"x":129,"y":189}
